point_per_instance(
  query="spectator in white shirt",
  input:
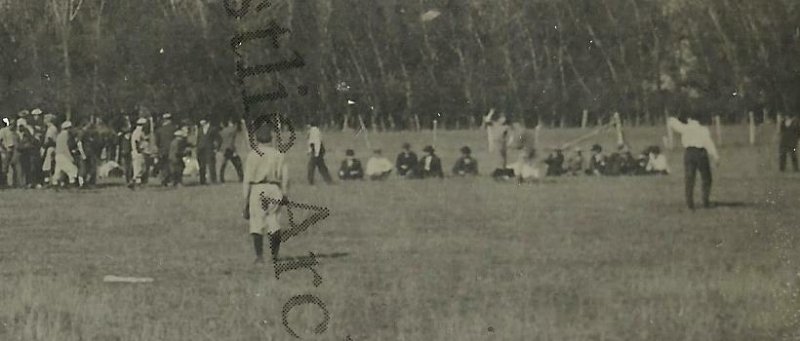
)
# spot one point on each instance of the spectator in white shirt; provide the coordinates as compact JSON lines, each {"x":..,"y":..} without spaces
{"x":316,"y":151}
{"x":656,"y":162}
{"x":699,"y":146}
{"x":378,"y":166}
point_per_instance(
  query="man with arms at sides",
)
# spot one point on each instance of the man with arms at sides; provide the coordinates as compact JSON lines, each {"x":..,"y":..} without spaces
{"x":228,"y":147}
{"x":164,"y":136}
{"x":208,"y":142}
{"x":266,"y":184}
{"x":789,"y":136}
{"x":316,"y":151}
{"x":696,"y":138}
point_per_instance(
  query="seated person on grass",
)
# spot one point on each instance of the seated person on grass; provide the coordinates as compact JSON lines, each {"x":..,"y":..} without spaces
{"x":406,"y":162}
{"x":657,"y":162}
{"x":351,"y":167}
{"x":597,"y":161}
{"x":525,"y":168}
{"x":466,"y":164}
{"x":555,"y":163}
{"x":575,"y":162}
{"x":378,"y":167}
{"x":430,"y":166}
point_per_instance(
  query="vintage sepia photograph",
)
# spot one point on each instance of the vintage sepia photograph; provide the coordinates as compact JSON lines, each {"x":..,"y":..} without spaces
{"x":349,"y":170}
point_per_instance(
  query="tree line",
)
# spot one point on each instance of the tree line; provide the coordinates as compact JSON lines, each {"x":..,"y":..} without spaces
{"x":398,"y":64}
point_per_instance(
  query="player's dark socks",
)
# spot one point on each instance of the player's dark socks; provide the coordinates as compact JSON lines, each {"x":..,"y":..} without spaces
{"x":258,"y":244}
{"x":275,"y":244}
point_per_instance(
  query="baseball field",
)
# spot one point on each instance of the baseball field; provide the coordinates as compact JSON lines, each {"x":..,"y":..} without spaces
{"x":569,"y":258}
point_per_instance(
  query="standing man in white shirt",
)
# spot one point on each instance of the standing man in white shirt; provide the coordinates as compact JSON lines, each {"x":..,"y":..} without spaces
{"x":696,"y":138}
{"x":138,"y":146}
{"x":316,"y":151}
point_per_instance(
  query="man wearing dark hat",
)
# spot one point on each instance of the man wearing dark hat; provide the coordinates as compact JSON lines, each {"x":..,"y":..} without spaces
{"x":466,"y":164}
{"x":177,"y":150}
{"x":430,"y":165}
{"x":555,"y":163}
{"x":789,"y":137}
{"x":208,"y":142}
{"x":164,"y":136}
{"x":351,"y":168}
{"x":228,"y":148}
{"x":696,"y":138}
{"x":406,"y":162}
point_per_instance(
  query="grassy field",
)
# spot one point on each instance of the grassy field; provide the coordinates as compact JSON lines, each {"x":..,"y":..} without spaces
{"x":460,"y":259}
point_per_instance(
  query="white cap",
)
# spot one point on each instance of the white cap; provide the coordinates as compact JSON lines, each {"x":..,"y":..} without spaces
{"x":180,"y":132}
{"x":66,"y":124}
{"x":167,"y":116}
{"x":36,"y":111}
{"x":141,"y":121}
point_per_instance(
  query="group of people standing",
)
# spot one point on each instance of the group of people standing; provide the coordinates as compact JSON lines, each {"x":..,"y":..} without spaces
{"x":36,"y":152}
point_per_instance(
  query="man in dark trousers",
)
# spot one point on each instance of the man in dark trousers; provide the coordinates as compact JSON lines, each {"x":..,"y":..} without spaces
{"x":208,"y":142}
{"x":229,"y":150}
{"x":316,"y":151}
{"x":696,"y":138}
{"x":430,"y":166}
{"x":177,"y":151}
{"x":164,"y":136}
{"x":351,"y":168}
{"x":406,"y":162}
{"x":789,"y":137}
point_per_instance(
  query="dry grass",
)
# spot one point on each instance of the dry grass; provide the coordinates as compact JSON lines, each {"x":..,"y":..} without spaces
{"x":459,"y":259}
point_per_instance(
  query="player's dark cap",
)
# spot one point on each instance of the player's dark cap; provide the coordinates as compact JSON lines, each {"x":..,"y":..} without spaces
{"x":466,"y":150}
{"x":428,"y":149}
{"x":349,"y":152}
{"x":406,"y":145}
{"x":597,"y":148}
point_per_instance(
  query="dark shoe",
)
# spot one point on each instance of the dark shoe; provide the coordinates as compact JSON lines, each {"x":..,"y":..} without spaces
{"x":259,"y":260}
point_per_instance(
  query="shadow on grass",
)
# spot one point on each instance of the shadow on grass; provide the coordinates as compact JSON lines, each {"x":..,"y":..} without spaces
{"x":733,"y":204}
{"x":316,"y":255}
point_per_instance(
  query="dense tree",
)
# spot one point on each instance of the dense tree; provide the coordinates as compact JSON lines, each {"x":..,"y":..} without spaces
{"x":398,"y":60}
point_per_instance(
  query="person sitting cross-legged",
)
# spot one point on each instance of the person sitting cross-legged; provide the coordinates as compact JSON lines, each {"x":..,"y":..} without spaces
{"x":378,"y":166}
{"x":351,"y":167}
{"x":406,"y":162}
{"x":430,"y":166}
{"x":466,"y":164}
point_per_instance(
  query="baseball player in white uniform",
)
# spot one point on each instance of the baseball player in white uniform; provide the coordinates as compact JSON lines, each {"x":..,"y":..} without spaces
{"x":266,"y":181}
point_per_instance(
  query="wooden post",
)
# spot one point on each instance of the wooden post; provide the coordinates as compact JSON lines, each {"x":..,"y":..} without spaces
{"x":752,"y":123}
{"x":764,"y":115}
{"x":344,"y":124}
{"x":536,"y":134}
{"x":416,"y":122}
{"x":778,"y":122}
{"x":670,"y":140}
{"x":364,"y":131}
{"x":435,"y":124}
{"x":718,"y":126}
{"x":585,"y":118}
{"x":618,"y":127}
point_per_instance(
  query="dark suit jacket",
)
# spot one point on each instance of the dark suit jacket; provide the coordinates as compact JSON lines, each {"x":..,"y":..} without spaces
{"x":435,"y":169}
{"x":352,"y":172}
{"x":164,"y":136}
{"x":208,"y":142}
{"x":406,"y":164}
{"x":790,"y":135}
